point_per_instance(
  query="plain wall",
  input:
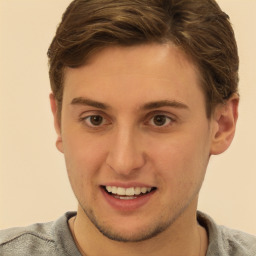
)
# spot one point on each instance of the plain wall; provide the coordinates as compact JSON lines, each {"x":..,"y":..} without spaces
{"x":33,"y":183}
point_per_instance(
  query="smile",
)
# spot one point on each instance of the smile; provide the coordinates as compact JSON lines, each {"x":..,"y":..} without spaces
{"x":128,"y":193}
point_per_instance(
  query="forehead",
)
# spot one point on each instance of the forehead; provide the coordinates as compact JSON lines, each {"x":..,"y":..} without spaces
{"x":153,"y":71}
{"x":137,"y":58}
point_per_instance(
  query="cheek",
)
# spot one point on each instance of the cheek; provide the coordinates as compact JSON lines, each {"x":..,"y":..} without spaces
{"x":84,"y":158}
{"x":83,"y":150}
{"x":181,"y":158}
{"x":180,"y":165}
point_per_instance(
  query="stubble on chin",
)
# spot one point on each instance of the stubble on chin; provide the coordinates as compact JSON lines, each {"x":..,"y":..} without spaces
{"x":156,"y":227}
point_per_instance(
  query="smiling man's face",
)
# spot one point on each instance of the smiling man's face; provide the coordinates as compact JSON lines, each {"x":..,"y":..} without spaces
{"x":136,"y":139}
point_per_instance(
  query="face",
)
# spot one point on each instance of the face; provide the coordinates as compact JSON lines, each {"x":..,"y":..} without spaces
{"x":136,"y":139}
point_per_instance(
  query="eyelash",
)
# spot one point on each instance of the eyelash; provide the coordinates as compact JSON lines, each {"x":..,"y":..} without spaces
{"x":149,"y":120}
{"x":88,"y":119}
{"x":167,"y":120}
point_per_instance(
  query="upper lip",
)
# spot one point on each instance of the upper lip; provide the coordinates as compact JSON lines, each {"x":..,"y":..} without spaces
{"x":127,"y":185}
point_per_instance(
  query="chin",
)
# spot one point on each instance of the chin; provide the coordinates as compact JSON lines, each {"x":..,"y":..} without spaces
{"x":128,"y":229}
{"x":136,"y":235}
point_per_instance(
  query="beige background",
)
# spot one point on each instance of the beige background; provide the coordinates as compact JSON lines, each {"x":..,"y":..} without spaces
{"x":33,"y":182}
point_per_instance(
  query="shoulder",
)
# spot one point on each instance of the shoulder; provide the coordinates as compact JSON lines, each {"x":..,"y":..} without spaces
{"x":237,"y":242}
{"x":36,"y":238}
{"x":41,"y":239}
{"x":225,"y":241}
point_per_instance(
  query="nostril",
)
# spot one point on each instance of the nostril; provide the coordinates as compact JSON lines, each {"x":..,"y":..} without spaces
{"x":124,"y":157}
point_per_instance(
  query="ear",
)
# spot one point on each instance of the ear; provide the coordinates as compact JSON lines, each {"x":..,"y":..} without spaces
{"x":57,"y":125}
{"x":224,"y":119}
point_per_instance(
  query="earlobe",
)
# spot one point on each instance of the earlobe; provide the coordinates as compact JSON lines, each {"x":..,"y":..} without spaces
{"x":225,"y":118}
{"x":57,"y":125}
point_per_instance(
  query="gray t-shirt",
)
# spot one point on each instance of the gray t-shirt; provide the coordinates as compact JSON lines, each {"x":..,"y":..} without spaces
{"x":55,"y":239}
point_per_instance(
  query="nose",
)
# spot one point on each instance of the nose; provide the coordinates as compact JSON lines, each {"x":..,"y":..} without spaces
{"x":126,"y":155}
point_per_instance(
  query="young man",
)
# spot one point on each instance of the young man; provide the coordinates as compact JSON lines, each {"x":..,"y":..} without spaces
{"x":143,"y":93}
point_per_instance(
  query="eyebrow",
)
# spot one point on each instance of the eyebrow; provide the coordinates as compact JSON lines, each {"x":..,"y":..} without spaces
{"x":147,"y":106}
{"x":164,"y":103}
{"x":89,"y":102}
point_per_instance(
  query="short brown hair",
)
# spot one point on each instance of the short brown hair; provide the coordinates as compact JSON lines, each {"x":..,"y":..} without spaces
{"x":199,"y":27}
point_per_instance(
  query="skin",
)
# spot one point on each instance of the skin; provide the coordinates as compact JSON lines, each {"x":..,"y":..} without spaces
{"x":132,"y":146}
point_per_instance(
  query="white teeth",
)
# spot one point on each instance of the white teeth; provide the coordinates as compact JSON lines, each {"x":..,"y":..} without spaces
{"x":137,"y":191}
{"x":144,"y":190}
{"x":127,"y":191}
{"x":121,"y":191}
{"x":125,"y":197}
{"x":114,"y":190}
{"x":109,"y":189}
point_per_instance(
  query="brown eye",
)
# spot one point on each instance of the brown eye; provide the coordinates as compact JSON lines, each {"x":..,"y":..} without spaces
{"x":94,"y":120}
{"x":160,"y":120}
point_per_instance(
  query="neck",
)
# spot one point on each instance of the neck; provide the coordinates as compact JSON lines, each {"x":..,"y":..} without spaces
{"x":179,"y":239}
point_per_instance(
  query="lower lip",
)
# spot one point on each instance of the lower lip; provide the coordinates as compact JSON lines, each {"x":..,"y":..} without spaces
{"x":127,"y":204}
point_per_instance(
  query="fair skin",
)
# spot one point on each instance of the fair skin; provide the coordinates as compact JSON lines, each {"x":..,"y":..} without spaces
{"x":135,"y":117}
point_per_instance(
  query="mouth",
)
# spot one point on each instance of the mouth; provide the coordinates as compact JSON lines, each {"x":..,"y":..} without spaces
{"x":128,"y":193}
